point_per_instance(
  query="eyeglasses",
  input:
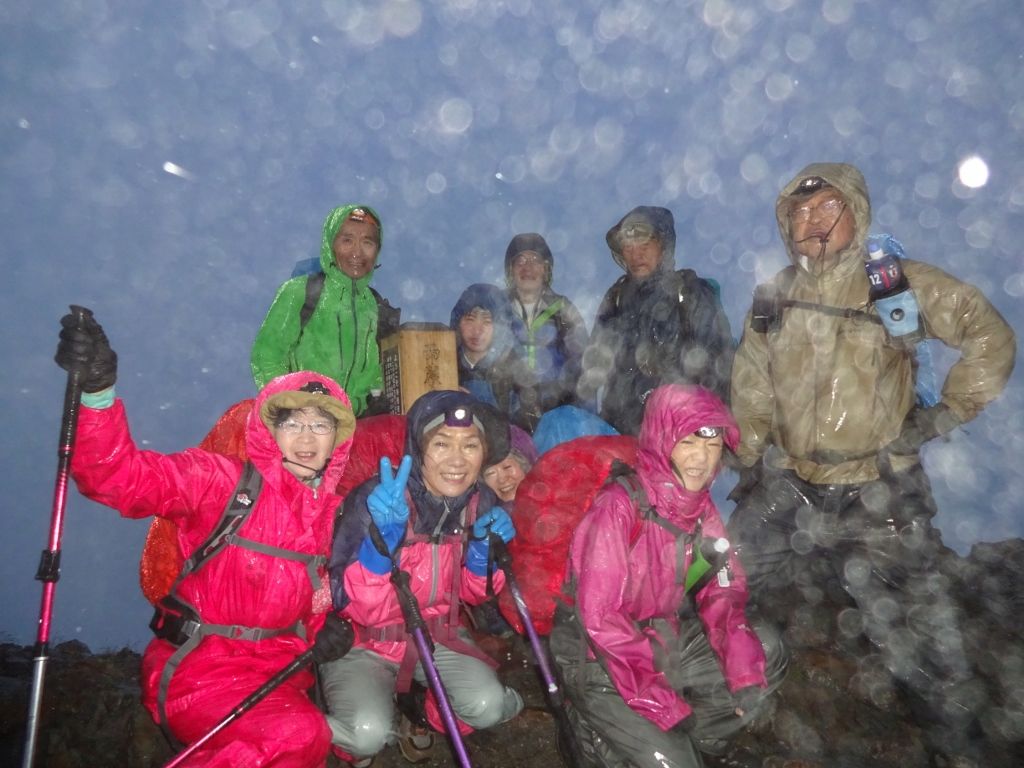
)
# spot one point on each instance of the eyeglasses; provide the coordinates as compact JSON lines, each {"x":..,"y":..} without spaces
{"x":830,"y":208}
{"x":292,"y":427}
{"x":523,"y":259}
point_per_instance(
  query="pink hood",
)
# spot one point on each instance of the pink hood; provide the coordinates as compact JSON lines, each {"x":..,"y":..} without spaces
{"x":261,"y":446}
{"x":674,"y":411}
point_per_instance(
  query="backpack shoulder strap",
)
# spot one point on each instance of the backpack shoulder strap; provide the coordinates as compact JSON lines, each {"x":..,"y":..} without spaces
{"x":625,"y":475}
{"x":770,"y":299}
{"x":314,"y":287}
{"x":388,"y":317}
{"x":239,"y":505}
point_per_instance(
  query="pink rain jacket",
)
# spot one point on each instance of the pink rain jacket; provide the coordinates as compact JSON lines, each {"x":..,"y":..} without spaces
{"x":439,"y":581}
{"x":626,"y":573}
{"x":236,"y":586}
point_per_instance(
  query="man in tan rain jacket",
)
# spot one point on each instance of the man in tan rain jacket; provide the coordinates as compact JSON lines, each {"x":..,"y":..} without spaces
{"x":833,"y":488}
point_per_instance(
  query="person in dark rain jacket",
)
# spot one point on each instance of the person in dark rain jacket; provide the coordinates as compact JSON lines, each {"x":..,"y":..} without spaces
{"x":656,"y":325}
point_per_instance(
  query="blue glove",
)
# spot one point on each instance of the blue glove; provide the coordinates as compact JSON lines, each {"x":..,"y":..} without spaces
{"x":387,"y":501}
{"x":374,"y":561}
{"x":389,"y":512}
{"x":497,"y":522}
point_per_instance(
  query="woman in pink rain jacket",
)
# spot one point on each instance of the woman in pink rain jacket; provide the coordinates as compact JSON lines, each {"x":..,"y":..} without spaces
{"x":658,"y":655}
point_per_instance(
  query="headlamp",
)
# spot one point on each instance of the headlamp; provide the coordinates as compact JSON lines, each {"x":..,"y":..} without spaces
{"x":810,"y":185}
{"x":636,"y":232}
{"x":460,"y":416}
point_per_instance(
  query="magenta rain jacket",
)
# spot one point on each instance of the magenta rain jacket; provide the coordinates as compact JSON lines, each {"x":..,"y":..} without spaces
{"x":626,"y":572}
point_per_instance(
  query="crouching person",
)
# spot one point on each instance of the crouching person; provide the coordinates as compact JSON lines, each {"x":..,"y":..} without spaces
{"x":659,"y":659}
{"x":260,"y":596}
{"x":434,"y":515}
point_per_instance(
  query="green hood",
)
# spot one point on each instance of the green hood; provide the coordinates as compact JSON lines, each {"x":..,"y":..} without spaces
{"x":332,"y":224}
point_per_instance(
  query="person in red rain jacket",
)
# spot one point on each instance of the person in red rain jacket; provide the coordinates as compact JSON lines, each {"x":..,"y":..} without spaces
{"x":264,"y":596}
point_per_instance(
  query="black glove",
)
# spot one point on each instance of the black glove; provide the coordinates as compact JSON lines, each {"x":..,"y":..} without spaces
{"x":686,"y":725}
{"x":83,"y":347}
{"x":920,"y":426}
{"x":750,"y":478}
{"x":334,"y":639}
{"x":376,"y":405}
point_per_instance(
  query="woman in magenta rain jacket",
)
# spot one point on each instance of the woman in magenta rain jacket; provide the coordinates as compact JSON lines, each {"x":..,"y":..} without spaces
{"x":637,"y":637}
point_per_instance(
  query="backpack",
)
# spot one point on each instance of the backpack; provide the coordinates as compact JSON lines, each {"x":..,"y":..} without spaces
{"x":551,"y":500}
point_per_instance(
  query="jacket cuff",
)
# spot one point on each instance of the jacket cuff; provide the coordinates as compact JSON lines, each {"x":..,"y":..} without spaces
{"x":99,"y":400}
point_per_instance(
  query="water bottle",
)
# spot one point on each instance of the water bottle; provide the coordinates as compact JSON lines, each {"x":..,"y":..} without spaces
{"x":890,"y":292}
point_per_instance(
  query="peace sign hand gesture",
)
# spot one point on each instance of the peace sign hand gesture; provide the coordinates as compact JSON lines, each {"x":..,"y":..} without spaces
{"x":386,"y":502}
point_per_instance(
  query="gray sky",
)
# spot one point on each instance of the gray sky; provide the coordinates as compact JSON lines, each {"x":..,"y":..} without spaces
{"x":167,"y":163}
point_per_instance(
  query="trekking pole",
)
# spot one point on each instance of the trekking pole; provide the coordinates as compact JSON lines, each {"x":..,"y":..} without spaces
{"x":504,"y":560}
{"x":245,"y":705}
{"x":416,"y":627}
{"x":49,"y":563}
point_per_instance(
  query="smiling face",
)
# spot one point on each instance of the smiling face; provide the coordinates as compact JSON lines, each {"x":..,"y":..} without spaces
{"x":476,"y":329}
{"x":356,"y":246}
{"x":695,"y":460}
{"x":303,"y":451}
{"x":529,"y":274}
{"x":452,"y":457}
{"x":504,"y":478}
{"x":822,"y":215}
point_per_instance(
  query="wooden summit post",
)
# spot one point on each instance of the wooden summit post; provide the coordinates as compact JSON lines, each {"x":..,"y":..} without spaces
{"x":417,"y":358}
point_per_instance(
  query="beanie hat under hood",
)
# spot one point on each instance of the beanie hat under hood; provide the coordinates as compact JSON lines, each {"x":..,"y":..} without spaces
{"x":660,"y":220}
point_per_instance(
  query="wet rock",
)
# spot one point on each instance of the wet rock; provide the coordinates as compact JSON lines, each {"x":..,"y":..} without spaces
{"x":838,"y":708}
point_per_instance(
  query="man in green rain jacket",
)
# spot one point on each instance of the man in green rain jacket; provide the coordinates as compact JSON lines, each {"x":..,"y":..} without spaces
{"x":331,"y":322}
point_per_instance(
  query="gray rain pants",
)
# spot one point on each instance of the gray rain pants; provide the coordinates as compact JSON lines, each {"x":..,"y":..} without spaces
{"x":612,"y":735}
{"x":875,"y":541}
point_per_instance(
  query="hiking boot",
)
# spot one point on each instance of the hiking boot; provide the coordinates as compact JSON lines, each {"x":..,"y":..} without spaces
{"x":415,"y":743}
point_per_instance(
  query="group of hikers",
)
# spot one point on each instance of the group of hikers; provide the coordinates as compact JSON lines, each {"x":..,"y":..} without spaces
{"x":664,"y":635}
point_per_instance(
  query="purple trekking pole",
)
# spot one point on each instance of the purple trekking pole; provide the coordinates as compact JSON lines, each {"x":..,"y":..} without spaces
{"x":501,"y":556}
{"x":416,"y":627}
{"x":49,"y":563}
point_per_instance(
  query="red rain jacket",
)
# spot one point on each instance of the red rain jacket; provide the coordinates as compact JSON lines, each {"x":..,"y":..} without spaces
{"x":237,"y":586}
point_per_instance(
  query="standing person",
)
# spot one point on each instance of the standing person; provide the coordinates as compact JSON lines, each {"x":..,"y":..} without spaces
{"x":830,"y":435}
{"x":490,"y":366}
{"x":332,"y":322}
{"x":260,"y":597}
{"x":434,"y":515}
{"x":545,"y":325}
{"x":656,"y":325}
{"x":659,"y":658}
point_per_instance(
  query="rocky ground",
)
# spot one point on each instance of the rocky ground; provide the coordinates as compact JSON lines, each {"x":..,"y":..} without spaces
{"x":835,"y":709}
